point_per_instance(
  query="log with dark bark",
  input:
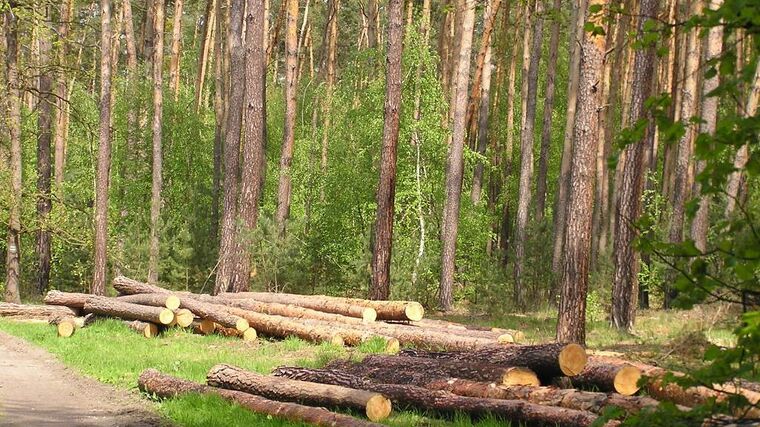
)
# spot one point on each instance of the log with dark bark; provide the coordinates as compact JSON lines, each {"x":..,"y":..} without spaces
{"x":567,"y":398}
{"x":169,"y":301}
{"x":443,"y":401}
{"x":34,"y":312}
{"x":147,"y":329}
{"x":546,"y":360}
{"x":128,"y":311}
{"x":420,"y":370}
{"x":376,"y":406}
{"x":153,"y":382}
{"x":314,"y":302}
{"x":127,"y":286}
{"x":68,"y":299}
{"x":608,"y":377}
{"x":67,"y":325}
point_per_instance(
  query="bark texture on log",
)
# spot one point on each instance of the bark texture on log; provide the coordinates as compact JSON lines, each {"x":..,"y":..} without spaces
{"x":608,"y":377}
{"x":156,"y":300}
{"x":218,"y":314}
{"x":154,"y":382}
{"x":127,"y":286}
{"x":314,"y":302}
{"x":278,"y":309}
{"x":283,"y":327}
{"x":546,"y":360}
{"x":67,"y":325}
{"x":128,"y":311}
{"x":418,"y":397}
{"x":69,"y":299}
{"x":376,"y":406}
{"x":42,"y":312}
{"x":147,"y":329}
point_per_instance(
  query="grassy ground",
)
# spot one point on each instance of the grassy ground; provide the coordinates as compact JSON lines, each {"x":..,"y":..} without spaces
{"x":113,"y":354}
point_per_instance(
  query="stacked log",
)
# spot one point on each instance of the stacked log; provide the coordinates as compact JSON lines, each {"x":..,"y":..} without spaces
{"x":67,"y":325}
{"x":620,"y":378}
{"x":72,"y":300}
{"x":146,"y":329}
{"x":172,"y":302}
{"x":313,"y":302}
{"x":128,"y":311}
{"x":34,"y":312}
{"x":161,"y":385}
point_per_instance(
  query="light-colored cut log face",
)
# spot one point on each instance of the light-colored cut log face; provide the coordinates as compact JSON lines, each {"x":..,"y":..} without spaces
{"x":626,"y":380}
{"x":414,"y":311}
{"x":172,"y":302}
{"x":392,"y":346}
{"x":249,"y":334}
{"x":166,"y":317}
{"x":337,"y":340}
{"x":505,"y":338}
{"x":150,"y":331}
{"x":520,"y":376}
{"x":378,"y":408}
{"x":369,"y":315}
{"x":572,"y":359}
{"x":184,"y":317}
{"x":66,"y":328}
{"x":206,"y":326}
{"x":241,"y":325}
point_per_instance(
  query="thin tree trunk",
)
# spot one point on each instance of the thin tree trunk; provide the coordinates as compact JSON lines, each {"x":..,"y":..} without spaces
{"x":235,"y":101}
{"x":98,"y":286}
{"x":546,"y":127}
{"x":61,"y":94}
{"x":13,"y":248}
{"x":158,"y":101}
{"x":329,"y":63}
{"x":560,"y":212}
{"x":148,"y":32}
{"x":382,"y":238}
{"x":372,"y":24}
{"x":291,"y":89}
{"x":455,"y":163}
{"x":571,"y":325}
{"x":530,"y":83}
{"x":628,"y":204}
{"x":688,"y":106}
{"x":219,"y":118}
{"x":44,"y":136}
{"x":174,"y":68}
{"x":203,"y":52}
{"x":253,"y":146}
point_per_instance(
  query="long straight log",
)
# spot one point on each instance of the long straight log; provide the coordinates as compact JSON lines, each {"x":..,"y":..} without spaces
{"x":283,"y":327}
{"x":154,"y":382}
{"x":502,"y":337}
{"x":463,"y":328}
{"x":127,"y":286}
{"x":567,"y":398}
{"x":68,"y":299}
{"x":443,"y":401}
{"x":216,"y":313}
{"x":172,"y":302}
{"x":420,"y":370}
{"x":128,"y":311}
{"x":376,"y":406}
{"x":609,"y":377}
{"x":36,"y":312}
{"x":546,"y":360}
{"x":306,"y":301}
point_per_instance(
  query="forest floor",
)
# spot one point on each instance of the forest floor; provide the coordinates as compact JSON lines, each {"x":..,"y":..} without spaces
{"x":109,"y":352}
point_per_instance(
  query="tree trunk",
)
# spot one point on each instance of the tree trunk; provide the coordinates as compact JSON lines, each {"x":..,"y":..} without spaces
{"x":148,"y":32}
{"x":608,"y":377}
{"x":220,"y":85}
{"x":128,"y":311}
{"x":13,"y":248}
{"x":375,"y":406}
{"x":68,"y":299}
{"x":571,"y":325}
{"x":566,"y":398}
{"x":329,"y":64}
{"x":455,"y":162}
{"x":420,"y":371}
{"x":418,"y":397}
{"x":158,"y":110}
{"x":172,"y":302}
{"x":203,"y":52}
{"x":153,"y":382}
{"x":530,"y":85}
{"x":174,"y":68}
{"x":253,"y":147}
{"x":318,"y":303}
{"x":229,"y":238}
{"x":546,"y":360}
{"x":546,"y":126}
{"x":44,"y":200}
{"x":560,"y":212}
{"x":102,"y":182}
{"x":283,"y":327}
{"x":382,"y":236}
{"x":628,"y":204}
{"x":372,"y":23}
{"x":291,"y":88}
{"x":61,"y":94}
{"x":31,"y":312}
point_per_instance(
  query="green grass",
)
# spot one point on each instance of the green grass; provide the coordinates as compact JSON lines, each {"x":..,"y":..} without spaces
{"x":109,"y":352}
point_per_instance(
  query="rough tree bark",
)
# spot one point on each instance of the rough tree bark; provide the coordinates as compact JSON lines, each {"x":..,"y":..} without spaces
{"x":220,"y":82}
{"x":571,"y":325}
{"x":228,"y":239}
{"x":44,"y":198}
{"x":628,"y":209}
{"x":13,"y":124}
{"x":455,"y":162}
{"x":102,"y":181}
{"x":157,"y":170}
{"x":382,"y":236}
{"x":203,"y":52}
{"x":291,"y":89}
{"x":176,"y":46}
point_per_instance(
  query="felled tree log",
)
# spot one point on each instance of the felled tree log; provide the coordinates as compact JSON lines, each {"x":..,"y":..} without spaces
{"x":247,"y":335}
{"x":183,"y":317}
{"x":499,"y":334}
{"x":72,"y":300}
{"x":127,"y":286}
{"x":204,"y":327}
{"x":608,"y":377}
{"x":419,"y":370}
{"x":169,"y":301}
{"x":67,"y":325}
{"x":153,"y":382}
{"x":422,"y":398}
{"x":567,"y":398}
{"x":216,"y":313}
{"x":283,"y":327}
{"x":128,"y":311}
{"x":147,"y":329}
{"x":546,"y":360}
{"x":376,"y":406}
{"x":365,"y":313}
{"x":35,"y":312}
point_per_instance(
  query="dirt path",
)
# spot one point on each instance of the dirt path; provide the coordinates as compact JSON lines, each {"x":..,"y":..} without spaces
{"x":38,"y":390}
